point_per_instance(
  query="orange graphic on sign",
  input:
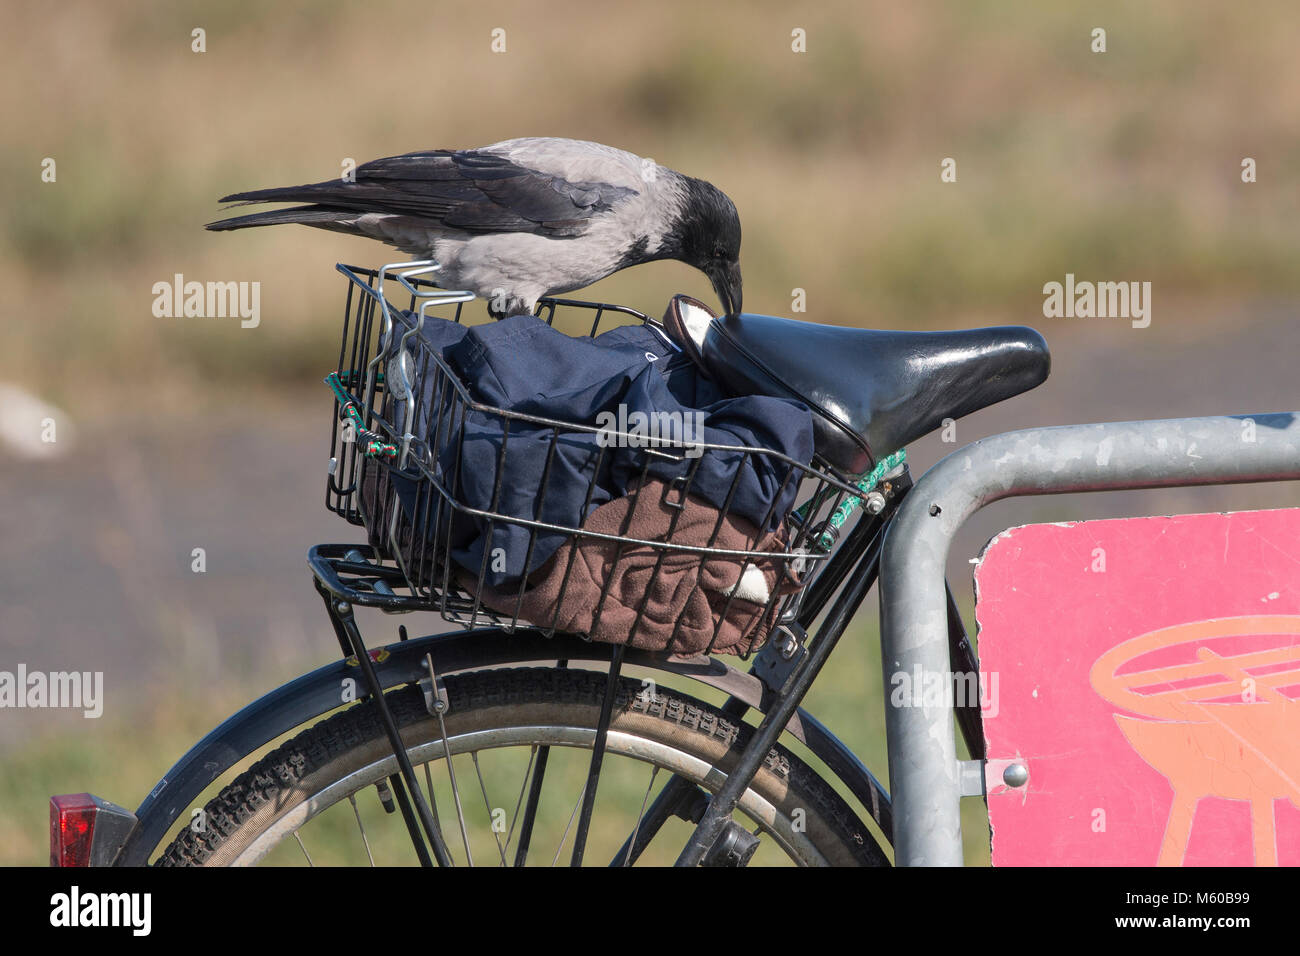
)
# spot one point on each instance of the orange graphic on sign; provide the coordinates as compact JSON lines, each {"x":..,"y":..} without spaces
{"x":1215,"y":725}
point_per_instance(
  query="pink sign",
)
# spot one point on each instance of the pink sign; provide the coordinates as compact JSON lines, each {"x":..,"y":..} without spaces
{"x":1148,"y":674}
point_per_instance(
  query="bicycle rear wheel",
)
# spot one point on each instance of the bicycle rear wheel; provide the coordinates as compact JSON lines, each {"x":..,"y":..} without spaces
{"x":511,"y":732}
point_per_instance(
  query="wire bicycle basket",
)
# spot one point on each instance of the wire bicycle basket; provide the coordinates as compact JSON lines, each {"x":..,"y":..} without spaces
{"x":458,"y":520}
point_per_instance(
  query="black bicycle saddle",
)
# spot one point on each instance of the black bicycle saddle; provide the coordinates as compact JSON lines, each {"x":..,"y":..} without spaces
{"x":871,"y":392}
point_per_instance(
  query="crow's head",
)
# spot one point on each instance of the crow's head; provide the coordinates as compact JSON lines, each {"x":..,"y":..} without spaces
{"x":708,"y":238}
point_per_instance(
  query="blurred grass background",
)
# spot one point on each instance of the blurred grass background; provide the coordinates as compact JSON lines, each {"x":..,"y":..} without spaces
{"x":1120,"y":166}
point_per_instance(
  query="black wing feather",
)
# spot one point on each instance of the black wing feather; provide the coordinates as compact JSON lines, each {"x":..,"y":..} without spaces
{"x":469,"y":190}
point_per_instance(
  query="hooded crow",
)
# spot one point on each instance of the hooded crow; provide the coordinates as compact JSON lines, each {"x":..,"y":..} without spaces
{"x":524,"y":218}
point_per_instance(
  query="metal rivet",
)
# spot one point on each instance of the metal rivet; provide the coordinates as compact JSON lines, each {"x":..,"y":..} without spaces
{"x":935,"y":509}
{"x":1015,"y":775}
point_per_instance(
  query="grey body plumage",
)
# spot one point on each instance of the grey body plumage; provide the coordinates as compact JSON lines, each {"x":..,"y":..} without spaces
{"x":524,"y":218}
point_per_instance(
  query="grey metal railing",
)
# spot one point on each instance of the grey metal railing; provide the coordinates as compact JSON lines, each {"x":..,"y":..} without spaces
{"x":925,"y":775}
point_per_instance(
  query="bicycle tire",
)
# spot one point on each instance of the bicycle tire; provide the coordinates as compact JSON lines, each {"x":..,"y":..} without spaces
{"x":348,"y":752}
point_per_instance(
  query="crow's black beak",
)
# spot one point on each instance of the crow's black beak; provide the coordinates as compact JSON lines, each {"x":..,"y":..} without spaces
{"x":727,"y":284}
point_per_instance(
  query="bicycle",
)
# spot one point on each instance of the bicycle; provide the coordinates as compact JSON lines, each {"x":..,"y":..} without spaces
{"x":477,"y":693}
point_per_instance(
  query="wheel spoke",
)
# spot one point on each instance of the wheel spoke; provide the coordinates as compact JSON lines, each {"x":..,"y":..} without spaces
{"x":303,"y":848}
{"x":473,"y":755}
{"x":569,"y":826}
{"x":627,"y":856}
{"x":523,"y":787}
{"x":353,"y":800}
{"x":669,"y":802}
{"x":455,"y":790}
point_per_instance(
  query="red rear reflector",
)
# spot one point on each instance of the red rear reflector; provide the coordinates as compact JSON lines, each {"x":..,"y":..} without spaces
{"x":72,"y":828}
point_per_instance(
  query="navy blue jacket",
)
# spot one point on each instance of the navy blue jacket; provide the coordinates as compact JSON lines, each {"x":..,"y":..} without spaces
{"x":523,"y":365}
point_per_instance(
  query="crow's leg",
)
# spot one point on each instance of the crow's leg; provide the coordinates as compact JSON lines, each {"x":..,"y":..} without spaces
{"x":501,"y":306}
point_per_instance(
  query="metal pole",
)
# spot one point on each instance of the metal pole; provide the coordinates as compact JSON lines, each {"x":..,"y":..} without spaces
{"x":923,"y":768}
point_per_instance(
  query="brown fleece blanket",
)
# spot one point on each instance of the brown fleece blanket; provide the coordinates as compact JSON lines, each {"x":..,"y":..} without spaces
{"x":686,"y":595}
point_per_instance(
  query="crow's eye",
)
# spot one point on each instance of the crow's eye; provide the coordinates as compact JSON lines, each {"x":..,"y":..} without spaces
{"x":719,"y":254}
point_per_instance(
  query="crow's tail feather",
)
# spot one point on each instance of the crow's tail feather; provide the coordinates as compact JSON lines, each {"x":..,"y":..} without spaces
{"x":322,"y":216}
{"x":310,"y":192}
